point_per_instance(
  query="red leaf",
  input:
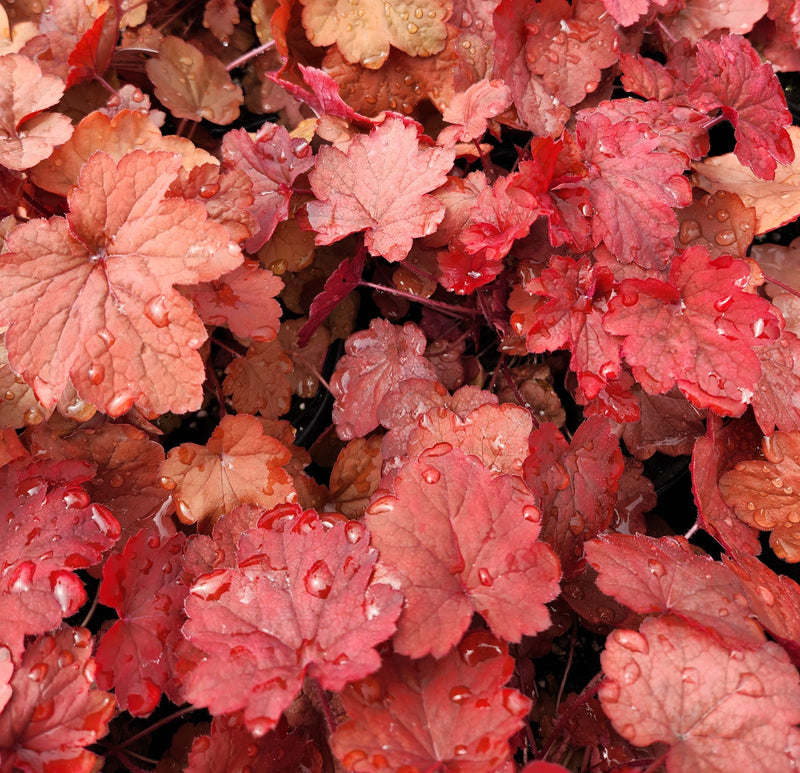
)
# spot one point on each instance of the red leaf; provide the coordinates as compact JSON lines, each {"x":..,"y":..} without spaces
{"x":381,"y":185}
{"x":451,"y":715}
{"x":633,"y":187}
{"x":301,"y":600}
{"x":776,"y":402}
{"x":375,"y":361}
{"x":243,"y":300}
{"x":50,"y":529}
{"x":664,"y":576}
{"x":577,"y":485}
{"x":101,"y":309}
{"x":718,"y":451}
{"x":563,"y":309}
{"x":230,"y":748}
{"x":28,"y":135}
{"x":732,"y":77}
{"x":697,"y":330}
{"x":345,"y":278}
{"x":774,"y":599}
{"x":53,"y":712}
{"x":717,"y":708}
{"x":273,"y":161}
{"x":143,"y":585}
{"x":92,"y":54}
{"x":457,"y":539}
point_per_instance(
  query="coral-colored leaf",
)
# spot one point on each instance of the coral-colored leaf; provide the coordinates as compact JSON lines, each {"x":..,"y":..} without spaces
{"x":719,"y":221}
{"x":143,"y":585}
{"x":451,"y":715}
{"x":381,"y":185}
{"x":732,"y":77}
{"x":469,"y":111}
{"x":242,"y":300}
{"x":776,"y":201}
{"x":91,"y":297}
{"x":697,"y":330}
{"x":718,"y":708}
{"x":457,"y":539}
{"x":497,"y":435}
{"x":53,"y":530}
{"x":568,"y":46}
{"x":363,"y":33}
{"x":258,"y":382}
{"x":54,"y":713}
{"x":697,"y":18}
{"x":238,"y":464}
{"x":375,"y":361}
{"x":663,"y":576}
{"x":300,"y":600}
{"x":272,"y":160}
{"x":765,"y":494}
{"x":128,"y":130}
{"x":633,"y":188}
{"x":221,"y":17}
{"x":191,"y":85}
{"x":27,"y":135}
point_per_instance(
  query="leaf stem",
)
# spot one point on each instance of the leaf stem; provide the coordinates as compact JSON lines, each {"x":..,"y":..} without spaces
{"x":585,"y":695}
{"x":248,"y":55}
{"x":445,"y":308}
{"x":786,"y":288}
{"x":187,"y":709}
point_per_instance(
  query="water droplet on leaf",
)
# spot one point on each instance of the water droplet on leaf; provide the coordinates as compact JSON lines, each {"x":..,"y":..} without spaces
{"x":318,"y":580}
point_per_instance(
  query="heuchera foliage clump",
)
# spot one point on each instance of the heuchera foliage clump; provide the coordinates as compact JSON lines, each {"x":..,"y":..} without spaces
{"x":399,"y":387}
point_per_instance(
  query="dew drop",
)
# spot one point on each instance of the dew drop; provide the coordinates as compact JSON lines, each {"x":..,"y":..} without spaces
{"x":656,"y":568}
{"x":352,"y":758}
{"x":75,"y":499}
{"x":609,"y":692}
{"x":354,"y":531}
{"x":207,"y":191}
{"x":631,"y":673}
{"x":629,"y":298}
{"x":689,"y":675}
{"x":318,"y":580}
{"x":252,"y":750}
{"x":460,"y":693}
{"x":485,"y":577}
{"x":184,"y":511}
{"x":43,"y":711}
{"x":689,"y":231}
{"x":431,"y":475}
{"x":766,"y":595}
{"x":368,"y":689}
{"x":532,"y":513}
{"x":725,"y":238}
{"x":10,"y":395}
{"x":459,"y":750}
{"x":38,"y":672}
{"x":107,"y":337}
{"x":119,"y":404}
{"x":96,"y":373}
{"x":750,"y":685}
{"x":723,"y":304}
{"x":156,"y":311}
{"x":478,"y":646}
{"x":116,"y":480}
{"x":104,"y":520}
{"x":631,"y":641}
{"x":166,"y":482}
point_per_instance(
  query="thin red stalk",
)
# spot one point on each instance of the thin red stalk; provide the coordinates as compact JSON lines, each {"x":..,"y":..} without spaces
{"x":188,"y":708}
{"x":445,"y":308}
{"x":297,"y":356}
{"x":325,"y":704}
{"x":786,"y":288}
{"x":567,"y":666}
{"x":248,"y":55}
{"x":585,"y":695}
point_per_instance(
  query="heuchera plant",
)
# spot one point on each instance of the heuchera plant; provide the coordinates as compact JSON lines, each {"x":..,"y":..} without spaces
{"x":353,"y":354}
